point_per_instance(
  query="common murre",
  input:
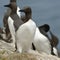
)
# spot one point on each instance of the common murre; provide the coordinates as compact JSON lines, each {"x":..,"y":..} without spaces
{"x":25,"y":33}
{"x":14,"y":21}
{"x":41,"y":41}
{"x":53,"y":40}
{"x":5,"y":23}
{"x":44,"y":29}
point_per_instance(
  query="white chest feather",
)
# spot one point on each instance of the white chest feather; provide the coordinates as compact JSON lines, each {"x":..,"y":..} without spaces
{"x":18,"y":13}
{"x":12,"y":29}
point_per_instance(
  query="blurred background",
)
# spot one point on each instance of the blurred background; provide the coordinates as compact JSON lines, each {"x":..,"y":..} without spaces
{"x":43,"y":12}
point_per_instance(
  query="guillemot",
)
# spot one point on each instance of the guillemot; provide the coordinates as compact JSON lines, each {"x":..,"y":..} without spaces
{"x":41,"y":41}
{"x":14,"y":21}
{"x":53,"y":40}
{"x":44,"y":29}
{"x":24,"y":41}
{"x":5,"y":23}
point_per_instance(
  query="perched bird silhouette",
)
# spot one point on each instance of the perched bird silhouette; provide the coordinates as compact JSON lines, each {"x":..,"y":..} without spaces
{"x":5,"y":23}
{"x":14,"y":21}
{"x":25,"y":33}
{"x":41,"y":40}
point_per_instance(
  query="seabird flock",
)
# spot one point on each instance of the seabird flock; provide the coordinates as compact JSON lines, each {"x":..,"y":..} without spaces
{"x":23,"y":32}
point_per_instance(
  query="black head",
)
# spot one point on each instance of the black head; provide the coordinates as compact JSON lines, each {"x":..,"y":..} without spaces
{"x":12,"y":0}
{"x":11,"y":5}
{"x":45,"y":27}
{"x":26,"y":10}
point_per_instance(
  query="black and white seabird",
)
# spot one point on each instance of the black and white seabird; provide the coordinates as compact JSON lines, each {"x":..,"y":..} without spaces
{"x":25,"y":33}
{"x":41,"y":41}
{"x":52,"y":42}
{"x":14,"y":21}
{"x":5,"y":23}
{"x":44,"y":29}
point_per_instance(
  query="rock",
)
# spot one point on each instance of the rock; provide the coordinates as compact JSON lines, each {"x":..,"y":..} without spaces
{"x":27,"y":56}
{"x":6,"y":48}
{"x":7,"y":52}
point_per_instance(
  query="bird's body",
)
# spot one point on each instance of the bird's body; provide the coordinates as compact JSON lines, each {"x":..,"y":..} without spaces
{"x":5,"y":22}
{"x":13,"y":20}
{"x":25,"y":33}
{"x":25,"y":36}
{"x":41,"y":42}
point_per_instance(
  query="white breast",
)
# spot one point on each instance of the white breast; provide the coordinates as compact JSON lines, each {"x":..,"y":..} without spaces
{"x":25,"y":35}
{"x":12,"y":29}
{"x":18,"y":13}
{"x":41,"y":42}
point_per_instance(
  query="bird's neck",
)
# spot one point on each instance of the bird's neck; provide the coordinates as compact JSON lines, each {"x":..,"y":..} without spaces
{"x":26,"y":17}
{"x":13,"y":11}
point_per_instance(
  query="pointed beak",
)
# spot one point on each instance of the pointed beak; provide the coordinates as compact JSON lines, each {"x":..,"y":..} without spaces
{"x":21,"y":10}
{"x":7,"y":5}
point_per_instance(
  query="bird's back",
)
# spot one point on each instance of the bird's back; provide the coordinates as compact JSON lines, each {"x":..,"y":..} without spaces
{"x":17,"y":21}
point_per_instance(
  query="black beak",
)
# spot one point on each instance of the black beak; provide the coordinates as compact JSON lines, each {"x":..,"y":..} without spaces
{"x":7,"y":5}
{"x":21,"y":10}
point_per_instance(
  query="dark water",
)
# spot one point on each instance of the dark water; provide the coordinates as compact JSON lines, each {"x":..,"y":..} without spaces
{"x":43,"y":11}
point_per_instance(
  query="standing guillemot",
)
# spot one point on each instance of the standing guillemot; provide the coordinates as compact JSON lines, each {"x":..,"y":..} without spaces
{"x":25,"y":33}
{"x":41,"y":41}
{"x":54,"y":42}
{"x":5,"y":23}
{"x":14,"y":21}
{"x":44,"y":29}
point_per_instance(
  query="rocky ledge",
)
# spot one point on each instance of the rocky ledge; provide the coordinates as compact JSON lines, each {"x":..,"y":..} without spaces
{"x":7,"y":53}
